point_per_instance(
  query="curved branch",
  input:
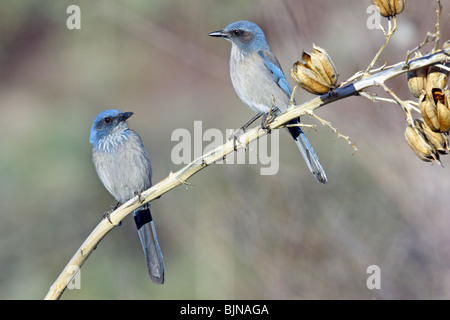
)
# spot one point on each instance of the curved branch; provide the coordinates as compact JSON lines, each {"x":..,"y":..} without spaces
{"x":181,"y":176}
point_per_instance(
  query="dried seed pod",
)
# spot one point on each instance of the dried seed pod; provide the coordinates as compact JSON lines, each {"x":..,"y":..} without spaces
{"x":389,"y":8}
{"x":437,"y":139}
{"x":308,"y":79}
{"x":317,"y":74}
{"x":421,"y":147}
{"x":440,"y":98}
{"x":397,"y":6}
{"x":428,"y":110}
{"x":443,"y":113}
{"x":438,"y":95}
{"x":436,"y":78}
{"x":325,"y":66}
{"x":417,"y":80}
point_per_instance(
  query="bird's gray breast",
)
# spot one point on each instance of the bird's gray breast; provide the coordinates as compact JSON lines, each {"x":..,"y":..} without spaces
{"x":254,"y":83}
{"x":124,"y":170}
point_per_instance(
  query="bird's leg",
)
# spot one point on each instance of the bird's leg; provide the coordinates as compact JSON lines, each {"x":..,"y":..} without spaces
{"x":235,"y":135}
{"x":269,"y":117}
{"x":115,"y":207}
{"x":245,"y":126}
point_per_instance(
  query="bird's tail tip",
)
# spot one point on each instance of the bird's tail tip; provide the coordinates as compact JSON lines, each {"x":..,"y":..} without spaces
{"x":320,"y":177}
{"x":157,"y":279}
{"x":310,"y":156}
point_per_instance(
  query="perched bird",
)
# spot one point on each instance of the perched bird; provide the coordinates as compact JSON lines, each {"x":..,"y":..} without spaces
{"x":123,"y":166}
{"x":260,"y":83}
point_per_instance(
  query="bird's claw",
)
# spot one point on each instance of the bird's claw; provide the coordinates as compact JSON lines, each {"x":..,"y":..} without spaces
{"x":138,"y":194}
{"x":107,"y":214}
{"x":235,"y":137}
{"x":266,"y":119}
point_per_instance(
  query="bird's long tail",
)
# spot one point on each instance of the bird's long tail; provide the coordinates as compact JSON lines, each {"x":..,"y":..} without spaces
{"x":307,"y":152}
{"x":149,"y":241}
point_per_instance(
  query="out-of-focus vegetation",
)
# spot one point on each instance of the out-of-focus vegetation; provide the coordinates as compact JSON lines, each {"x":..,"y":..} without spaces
{"x":233,"y":234}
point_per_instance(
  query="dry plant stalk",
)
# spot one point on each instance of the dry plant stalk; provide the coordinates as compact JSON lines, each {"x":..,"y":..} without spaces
{"x":355,"y":85}
{"x":181,"y":176}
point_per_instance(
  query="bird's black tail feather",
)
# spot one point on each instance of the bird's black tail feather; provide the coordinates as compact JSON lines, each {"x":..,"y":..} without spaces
{"x":149,"y":241}
{"x":307,"y":151}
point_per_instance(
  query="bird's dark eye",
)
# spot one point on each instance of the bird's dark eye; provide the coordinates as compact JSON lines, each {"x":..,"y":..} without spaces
{"x":237,"y":32}
{"x":243,"y":35}
{"x":107,"y":120}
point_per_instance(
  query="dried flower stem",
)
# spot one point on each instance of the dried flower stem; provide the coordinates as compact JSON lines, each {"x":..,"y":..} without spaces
{"x":291,"y":100}
{"x":387,"y":35}
{"x":302,"y":125}
{"x":438,"y":26}
{"x":405,"y":106}
{"x":443,"y":67}
{"x":412,"y":104}
{"x":340,"y":135}
{"x":430,"y":36}
{"x":181,"y":176}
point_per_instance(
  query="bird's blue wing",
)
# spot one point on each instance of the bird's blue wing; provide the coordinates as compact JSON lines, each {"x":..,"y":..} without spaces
{"x":272,"y":64}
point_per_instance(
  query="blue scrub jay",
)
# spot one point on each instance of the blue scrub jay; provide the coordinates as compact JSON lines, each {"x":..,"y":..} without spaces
{"x":123,"y":166}
{"x":257,"y":78}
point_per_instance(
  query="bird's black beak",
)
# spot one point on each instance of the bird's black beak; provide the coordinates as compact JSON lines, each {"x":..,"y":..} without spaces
{"x":125,"y":115}
{"x":219,"y":34}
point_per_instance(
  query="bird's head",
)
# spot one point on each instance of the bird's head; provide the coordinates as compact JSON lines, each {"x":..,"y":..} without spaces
{"x":246,"y":35}
{"x":108,"y":124}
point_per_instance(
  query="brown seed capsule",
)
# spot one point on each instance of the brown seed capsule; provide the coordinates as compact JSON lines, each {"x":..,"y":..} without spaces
{"x":417,"y":80}
{"x":428,"y":110}
{"x":317,"y":74}
{"x":437,"y":139}
{"x":440,"y":98}
{"x":308,"y":79}
{"x":436,"y":78}
{"x":389,"y":8}
{"x":421,"y":147}
{"x":324,"y":66}
{"x":443,"y":113}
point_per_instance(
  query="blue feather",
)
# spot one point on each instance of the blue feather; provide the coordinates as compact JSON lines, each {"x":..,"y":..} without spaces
{"x":272,"y":64}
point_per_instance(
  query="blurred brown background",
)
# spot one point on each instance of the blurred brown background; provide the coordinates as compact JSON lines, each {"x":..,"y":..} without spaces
{"x":233,"y":234}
